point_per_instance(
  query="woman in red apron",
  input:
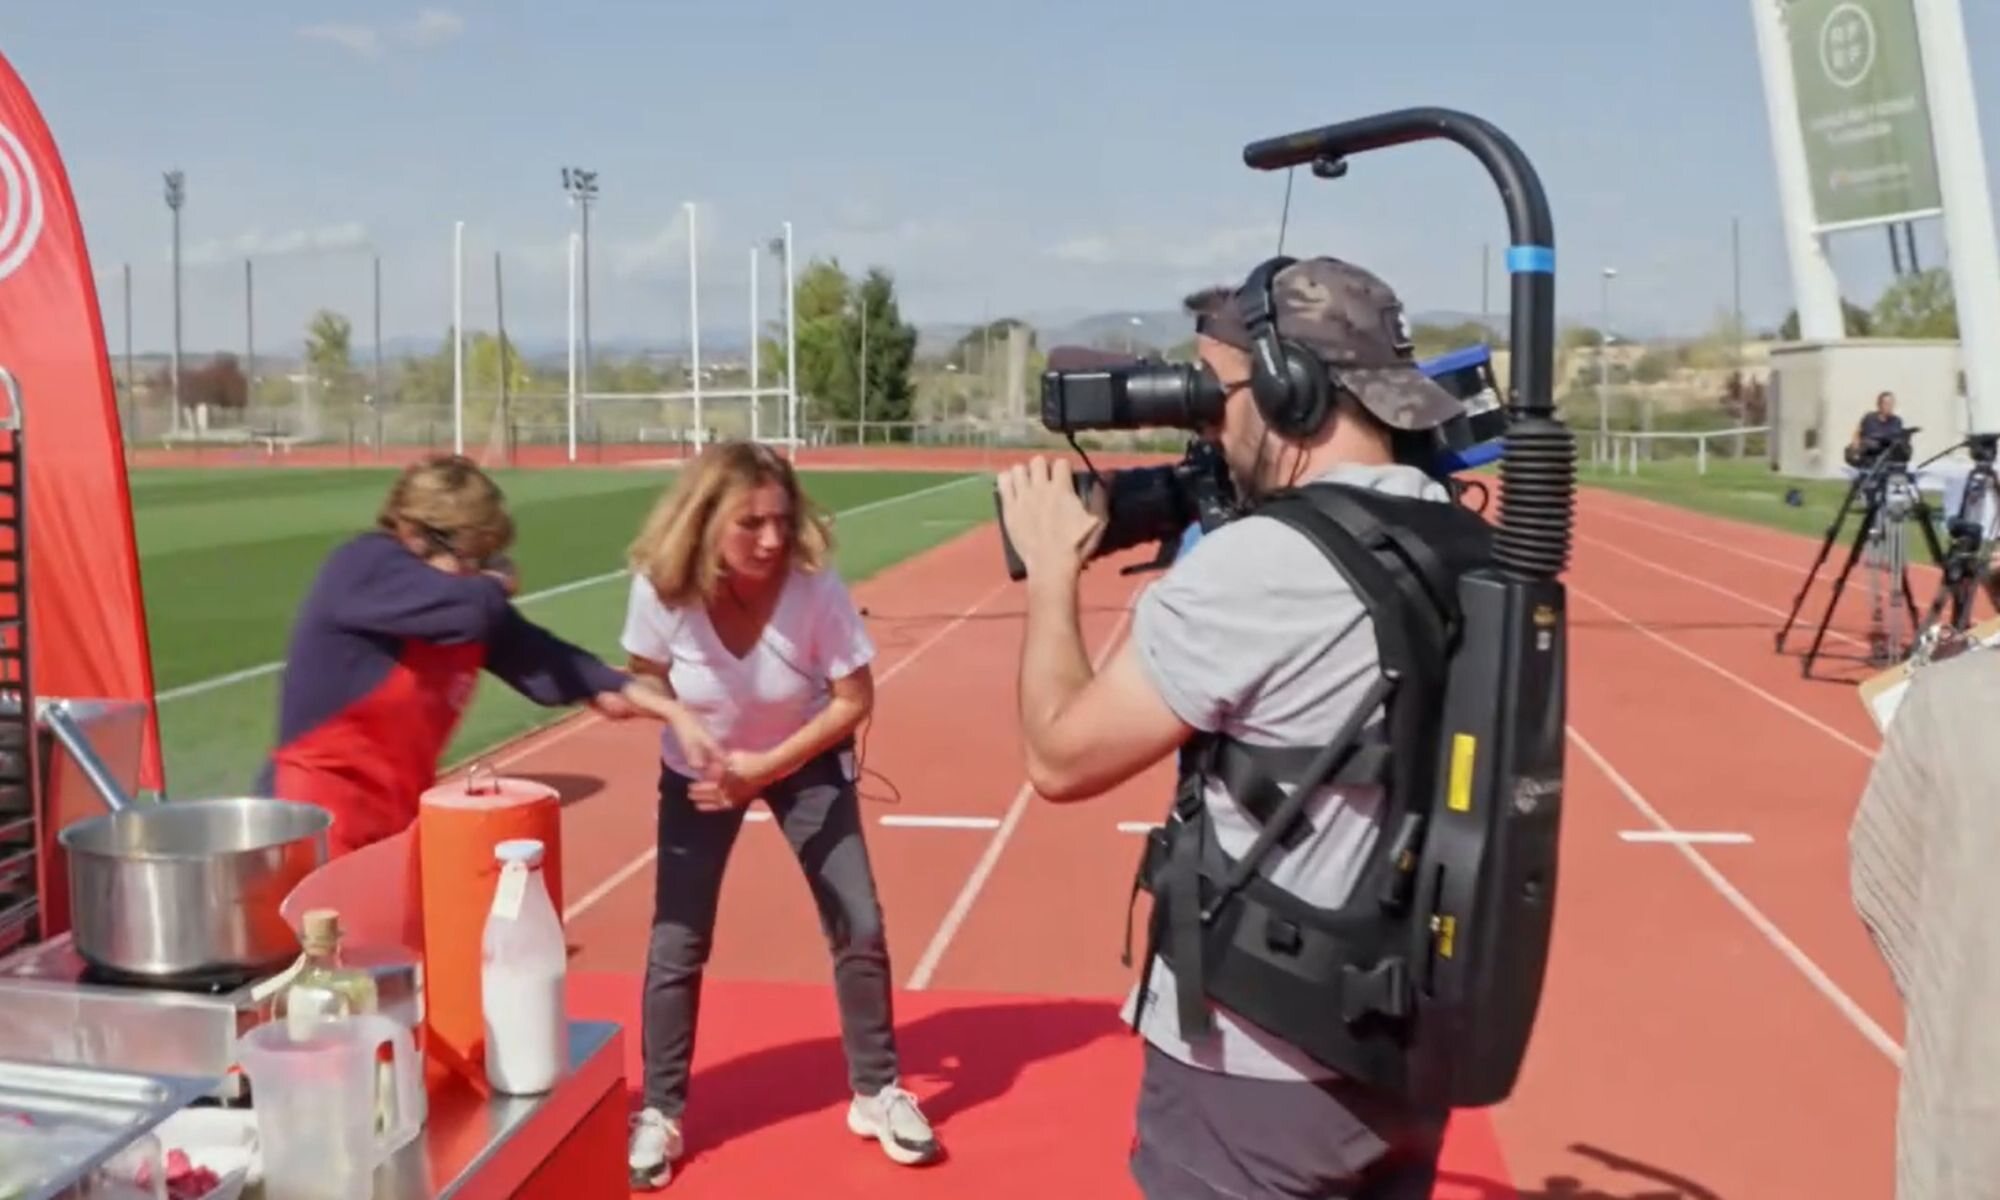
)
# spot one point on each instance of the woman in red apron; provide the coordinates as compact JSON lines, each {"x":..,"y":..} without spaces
{"x":387,"y":648}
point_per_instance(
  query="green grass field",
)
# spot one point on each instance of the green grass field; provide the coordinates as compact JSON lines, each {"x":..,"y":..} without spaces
{"x":226,"y":555}
{"x":1740,"y":490}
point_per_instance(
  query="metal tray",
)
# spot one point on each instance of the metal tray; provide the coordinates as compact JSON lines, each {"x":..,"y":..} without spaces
{"x":98,"y":1113}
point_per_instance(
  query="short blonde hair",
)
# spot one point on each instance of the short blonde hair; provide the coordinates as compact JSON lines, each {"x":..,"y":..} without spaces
{"x":448,"y":497}
{"x":676,"y":550}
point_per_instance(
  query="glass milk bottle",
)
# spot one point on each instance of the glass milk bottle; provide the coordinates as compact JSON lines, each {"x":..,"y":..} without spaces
{"x":524,"y":961}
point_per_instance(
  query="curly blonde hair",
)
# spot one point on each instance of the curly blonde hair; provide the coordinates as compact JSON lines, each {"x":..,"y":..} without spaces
{"x":676,"y":549}
{"x":447,"y":497}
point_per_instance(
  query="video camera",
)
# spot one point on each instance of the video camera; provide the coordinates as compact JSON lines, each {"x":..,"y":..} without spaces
{"x":1894,"y":450}
{"x":1159,"y":503}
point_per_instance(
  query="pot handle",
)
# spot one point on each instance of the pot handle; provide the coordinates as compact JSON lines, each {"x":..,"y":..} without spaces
{"x":70,"y":734}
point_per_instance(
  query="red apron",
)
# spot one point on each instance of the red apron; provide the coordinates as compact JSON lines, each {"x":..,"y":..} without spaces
{"x":371,"y":763}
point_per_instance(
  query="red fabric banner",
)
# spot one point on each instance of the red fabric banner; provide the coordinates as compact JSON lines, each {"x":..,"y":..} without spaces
{"x":86,"y":611}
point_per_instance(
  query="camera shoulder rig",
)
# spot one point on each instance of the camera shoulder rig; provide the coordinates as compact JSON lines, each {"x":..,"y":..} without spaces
{"x":1356,"y":987}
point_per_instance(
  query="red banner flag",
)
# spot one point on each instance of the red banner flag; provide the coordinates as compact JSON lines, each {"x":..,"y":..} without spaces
{"x":86,"y":611}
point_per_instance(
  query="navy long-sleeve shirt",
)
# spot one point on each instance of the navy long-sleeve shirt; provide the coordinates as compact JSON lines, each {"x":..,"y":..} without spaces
{"x":384,"y":656}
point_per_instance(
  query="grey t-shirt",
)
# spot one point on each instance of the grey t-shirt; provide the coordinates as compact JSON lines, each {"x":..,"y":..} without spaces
{"x":1253,"y":633}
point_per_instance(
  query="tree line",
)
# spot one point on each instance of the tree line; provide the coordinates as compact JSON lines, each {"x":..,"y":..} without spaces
{"x":854,"y":345}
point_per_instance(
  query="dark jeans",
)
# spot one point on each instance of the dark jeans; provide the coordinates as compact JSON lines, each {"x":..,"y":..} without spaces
{"x":820,"y":815}
{"x":1204,"y":1136}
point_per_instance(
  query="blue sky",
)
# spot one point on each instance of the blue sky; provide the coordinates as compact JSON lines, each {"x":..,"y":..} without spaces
{"x":1031,"y":157}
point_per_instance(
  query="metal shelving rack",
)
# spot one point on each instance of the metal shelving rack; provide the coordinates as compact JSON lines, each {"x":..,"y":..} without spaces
{"x":20,"y":834}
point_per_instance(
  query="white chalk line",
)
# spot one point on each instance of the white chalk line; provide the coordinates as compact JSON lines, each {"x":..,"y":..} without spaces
{"x":1788,"y":949}
{"x":617,"y":878}
{"x":1706,"y":838}
{"x":1731,"y":676}
{"x":549,"y":593}
{"x":1711,"y":543}
{"x":961,"y":905}
{"x":1824,"y":574}
{"x":1699,"y":582}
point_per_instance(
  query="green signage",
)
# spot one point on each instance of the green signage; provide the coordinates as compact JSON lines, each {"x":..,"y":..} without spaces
{"x":1860,"y":83}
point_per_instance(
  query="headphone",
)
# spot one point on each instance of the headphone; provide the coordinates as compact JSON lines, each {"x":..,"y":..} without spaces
{"x":1292,"y":386}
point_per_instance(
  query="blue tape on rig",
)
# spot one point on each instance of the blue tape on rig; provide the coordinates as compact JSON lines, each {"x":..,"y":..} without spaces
{"x":1523,"y":260}
{"x":1453,"y":461}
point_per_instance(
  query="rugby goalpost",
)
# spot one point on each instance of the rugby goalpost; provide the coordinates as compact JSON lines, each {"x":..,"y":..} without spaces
{"x":696,"y":394}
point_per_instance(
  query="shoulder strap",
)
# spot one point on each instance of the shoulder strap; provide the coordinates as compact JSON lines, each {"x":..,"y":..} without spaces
{"x":1337,"y":530}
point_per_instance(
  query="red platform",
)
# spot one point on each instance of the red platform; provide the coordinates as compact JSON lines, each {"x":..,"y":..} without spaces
{"x":1031,"y":1095}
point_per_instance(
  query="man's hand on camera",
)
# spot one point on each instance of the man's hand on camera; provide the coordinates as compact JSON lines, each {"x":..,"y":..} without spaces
{"x":1052,"y":530}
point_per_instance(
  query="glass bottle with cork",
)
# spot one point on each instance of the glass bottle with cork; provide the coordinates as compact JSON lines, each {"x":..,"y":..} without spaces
{"x":323,"y":987}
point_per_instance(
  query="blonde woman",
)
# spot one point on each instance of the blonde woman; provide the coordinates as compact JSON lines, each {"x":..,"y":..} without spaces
{"x":737,"y":611}
{"x":388,"y":645}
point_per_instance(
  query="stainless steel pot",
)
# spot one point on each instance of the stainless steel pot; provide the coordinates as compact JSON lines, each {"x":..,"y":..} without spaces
{"x":184,"y":888}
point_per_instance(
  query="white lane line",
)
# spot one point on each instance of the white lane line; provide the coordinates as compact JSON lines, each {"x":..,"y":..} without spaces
{"x":914,"y":822}
{"x":1731,"y":676}
{"x":549,"y":593}
{"x":584,"y":903}
{"x":981,"y":870}
{"x":1815,"y":975}
{"x":1734,"y":551}
{"x":1718,"y":589}
{"x":1137,"y":826}
{"x":595,"y":895}
{"x":1689,"y":839}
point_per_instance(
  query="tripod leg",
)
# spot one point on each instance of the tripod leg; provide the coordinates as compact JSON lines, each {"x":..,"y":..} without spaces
{"x":1839,"y":584}
{"x":1825,"y":546}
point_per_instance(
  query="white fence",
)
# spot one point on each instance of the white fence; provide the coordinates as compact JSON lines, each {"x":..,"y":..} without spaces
{"x":1621,"y":452}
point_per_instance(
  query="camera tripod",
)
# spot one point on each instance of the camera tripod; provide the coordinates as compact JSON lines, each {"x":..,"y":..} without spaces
{"x":1889,"y":496}
{"x":1967,"y":559}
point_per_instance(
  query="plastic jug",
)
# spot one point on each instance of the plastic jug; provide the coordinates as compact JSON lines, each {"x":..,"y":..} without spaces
{"x":315,"y":1101}
{"x":524,"y":960}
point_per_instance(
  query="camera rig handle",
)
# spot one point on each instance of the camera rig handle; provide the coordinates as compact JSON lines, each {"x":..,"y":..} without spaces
{"x":1538,"y":471}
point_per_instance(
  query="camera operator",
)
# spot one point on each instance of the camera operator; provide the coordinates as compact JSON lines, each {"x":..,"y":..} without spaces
{"x":1254,"y":635}
{"x":1875,"y":432}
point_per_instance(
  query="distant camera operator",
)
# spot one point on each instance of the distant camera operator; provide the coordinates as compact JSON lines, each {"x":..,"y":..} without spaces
{"x":1253,"y":635}
{"x":1875,"y":432}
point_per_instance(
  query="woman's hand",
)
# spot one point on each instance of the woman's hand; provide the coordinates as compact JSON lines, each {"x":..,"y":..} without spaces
{"x":502,"y":568}
{"x":731,"y":781}
{"x":639,"y":697}
{"x":703,"y":753}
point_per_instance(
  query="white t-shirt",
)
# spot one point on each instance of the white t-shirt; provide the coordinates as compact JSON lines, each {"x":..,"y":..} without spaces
{"x":752,"y":703}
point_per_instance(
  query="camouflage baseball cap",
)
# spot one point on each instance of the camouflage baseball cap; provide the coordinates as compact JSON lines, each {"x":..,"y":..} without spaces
{"x":1354,"y":323}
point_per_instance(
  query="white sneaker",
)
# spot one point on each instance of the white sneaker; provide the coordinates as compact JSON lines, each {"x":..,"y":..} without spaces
{"x":892,"y":1118}
{"x":654,"y":1148}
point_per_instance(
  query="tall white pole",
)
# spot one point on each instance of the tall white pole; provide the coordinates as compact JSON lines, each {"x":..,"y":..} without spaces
{"x":756,"y":401}
{"x":791,"y":350}
{"x":1968,"y":208}
{"x":1604,"y":369}
{"x":458,"y":337}
{"x":572,"y":345}
{"x":1815,"y":289}
{"x":694,"y":328}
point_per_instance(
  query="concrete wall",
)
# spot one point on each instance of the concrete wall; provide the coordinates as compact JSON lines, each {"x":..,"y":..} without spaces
{"x":1819,"y":391}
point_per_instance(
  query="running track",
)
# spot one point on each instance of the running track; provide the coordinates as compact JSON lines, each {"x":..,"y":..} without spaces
{"x":1715,"y":1025}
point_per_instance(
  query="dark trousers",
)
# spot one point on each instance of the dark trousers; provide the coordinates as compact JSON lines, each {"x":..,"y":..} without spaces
{"x":817,"y":809}
{"x":1204,"y":1136}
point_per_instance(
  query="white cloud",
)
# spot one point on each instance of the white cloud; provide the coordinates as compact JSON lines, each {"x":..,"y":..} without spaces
{"x":429,"y":28}
{"x":291,"y":243}
{"x":432,"y":27}
{"x":665,"y":249}
{"x":359,"y":39}
{"x":1223,"y":251}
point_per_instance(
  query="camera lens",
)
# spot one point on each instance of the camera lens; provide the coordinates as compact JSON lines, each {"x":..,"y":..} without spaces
{"x":1141,"y":396}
